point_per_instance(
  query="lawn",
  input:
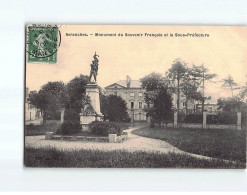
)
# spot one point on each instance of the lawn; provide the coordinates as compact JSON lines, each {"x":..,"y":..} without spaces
{"x":224,"y":144}
{"x":51,"y":157}
{"x":51,"y":125}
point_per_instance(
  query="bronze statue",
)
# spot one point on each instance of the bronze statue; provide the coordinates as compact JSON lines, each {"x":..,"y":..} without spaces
{"x":94,"y":68}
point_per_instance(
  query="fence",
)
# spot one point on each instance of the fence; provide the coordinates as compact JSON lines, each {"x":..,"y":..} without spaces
{"x":208,"y":126}
{"x":241,"y":123}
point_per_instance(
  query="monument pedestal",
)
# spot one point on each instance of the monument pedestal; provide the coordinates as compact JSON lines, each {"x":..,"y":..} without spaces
{"x":91,"y":110}
{"x":92,"y":90}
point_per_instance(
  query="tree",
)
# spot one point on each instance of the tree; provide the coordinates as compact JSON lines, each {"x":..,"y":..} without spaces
{"x":157,"y":97}
{"x":59,"y":98}
{"x":58,"y":90}
{"x":243,"y":92}
{"x":77,"y":92}
{"x":189,"y":89}
{"x":177,"y":73}
{"x":104,"y":105}
{"x":230,"y":84}
{"x":201,"y":73}
{"x":162,"y":107}
{"x":41,"y":100}
{"x":114,"y":108}
{"x":50,"y":99}
{"x":231,"y":105}
{"x":152,"y":83}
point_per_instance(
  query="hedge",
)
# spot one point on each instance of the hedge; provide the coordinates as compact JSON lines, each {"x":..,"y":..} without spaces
{"x":104,"y":128}
{"x":224,"y":118}
{"x":193,"y":118}
{"x":71,"y":115}
{"x":69,"y":128}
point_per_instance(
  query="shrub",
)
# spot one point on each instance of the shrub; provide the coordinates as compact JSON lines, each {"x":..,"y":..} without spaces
{"x":71,"y":115}
{"x":225,"y":118}
{"x":123,"y":126}
{"x":69,"y":127}
{"x":105,"y":128}
{"x":193,"y":118}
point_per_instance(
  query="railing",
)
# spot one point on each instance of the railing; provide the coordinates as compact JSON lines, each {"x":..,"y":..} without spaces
{"x":208,"y":126}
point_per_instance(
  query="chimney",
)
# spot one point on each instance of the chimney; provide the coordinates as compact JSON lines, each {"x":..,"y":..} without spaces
{"x":128,"y":79}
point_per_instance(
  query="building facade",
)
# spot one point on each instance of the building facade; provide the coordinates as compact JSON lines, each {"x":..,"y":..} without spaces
{"x":133,"y":93}
{"x":31,"y":112}
{"x":211,"y":109}
{"x":187,"y":107}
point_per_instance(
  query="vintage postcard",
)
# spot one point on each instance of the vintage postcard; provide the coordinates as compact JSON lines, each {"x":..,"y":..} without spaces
{"x":135,"y":96}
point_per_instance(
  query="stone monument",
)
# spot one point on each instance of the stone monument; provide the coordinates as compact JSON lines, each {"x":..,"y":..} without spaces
{"x":90,"y":110}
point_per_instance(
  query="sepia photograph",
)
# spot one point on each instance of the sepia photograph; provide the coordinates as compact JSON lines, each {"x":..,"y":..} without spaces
{"x":135,"y":96}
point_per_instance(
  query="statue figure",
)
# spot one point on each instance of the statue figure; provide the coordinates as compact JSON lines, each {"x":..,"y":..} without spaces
{"x":94,"y":68}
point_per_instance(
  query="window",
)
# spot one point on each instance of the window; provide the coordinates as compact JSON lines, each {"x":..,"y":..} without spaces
{"x":132,"y":94}
{"x":132,"y":105}
{"x":115,"y":93}
{"x":140,"y":94}
{"x":210,"y":109}
{"x":140,"y":104}
{"x":184,"y":103}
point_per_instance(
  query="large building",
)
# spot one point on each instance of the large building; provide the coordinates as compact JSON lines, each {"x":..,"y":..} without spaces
{"x":133,"y":93}
{"x":194,"y":107}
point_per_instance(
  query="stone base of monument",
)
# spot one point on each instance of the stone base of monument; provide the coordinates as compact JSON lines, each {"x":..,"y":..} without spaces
{"x":112,"y":138}
{"x":48,"y":135}
{"x":86,"y":120}
{"x":91,"y":108}
{"x":80,"y":138}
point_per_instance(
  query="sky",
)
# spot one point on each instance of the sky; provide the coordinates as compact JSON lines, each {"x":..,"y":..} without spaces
{"x":223,"y":52}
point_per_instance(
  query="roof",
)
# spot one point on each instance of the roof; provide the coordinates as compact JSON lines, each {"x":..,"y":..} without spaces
{"x":133,"y":84}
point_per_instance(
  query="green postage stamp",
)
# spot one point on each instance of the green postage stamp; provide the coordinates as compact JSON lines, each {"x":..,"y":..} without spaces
{"x":42,"y":43}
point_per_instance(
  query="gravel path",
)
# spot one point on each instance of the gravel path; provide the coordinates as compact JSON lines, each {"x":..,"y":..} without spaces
{"x":134,"y":143}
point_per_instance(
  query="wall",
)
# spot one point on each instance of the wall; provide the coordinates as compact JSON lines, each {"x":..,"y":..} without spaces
{"x":31,"y":112}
